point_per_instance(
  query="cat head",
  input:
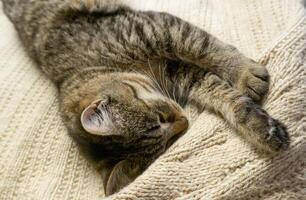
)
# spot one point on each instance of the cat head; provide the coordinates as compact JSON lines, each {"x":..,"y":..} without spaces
{"x":131,"y":109}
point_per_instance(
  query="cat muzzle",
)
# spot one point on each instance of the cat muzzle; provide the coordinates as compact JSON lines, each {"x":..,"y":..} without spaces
{"x":177,"y":129}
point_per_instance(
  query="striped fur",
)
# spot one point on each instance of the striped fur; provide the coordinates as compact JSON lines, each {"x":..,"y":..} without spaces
{"x":147,"y":66}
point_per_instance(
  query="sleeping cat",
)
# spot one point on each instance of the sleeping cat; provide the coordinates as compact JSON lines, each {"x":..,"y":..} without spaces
{"x":125,"y":76}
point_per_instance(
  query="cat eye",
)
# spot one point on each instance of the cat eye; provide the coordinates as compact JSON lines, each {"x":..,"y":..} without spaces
{"x":154,"y":128}
{"x":161,"y":117}
{"x":166,"y":118}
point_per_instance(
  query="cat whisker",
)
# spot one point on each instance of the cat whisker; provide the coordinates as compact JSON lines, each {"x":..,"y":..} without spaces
{"x":154,"y":78}
{"x":162,"y":80}
{"x":174,"y":90}
{"x":165,"y":81}
{"x":189,"y":114}
{"x":148,"y":75}
{"x":145,"y":73}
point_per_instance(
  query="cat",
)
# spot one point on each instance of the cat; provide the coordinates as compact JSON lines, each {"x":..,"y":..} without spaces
{"x":125,"y":76}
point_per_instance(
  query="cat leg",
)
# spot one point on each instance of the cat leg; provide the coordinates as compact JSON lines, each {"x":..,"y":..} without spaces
{"x":254,"y":123}
{"x":176,"y":38}
{"x":94,"y":5}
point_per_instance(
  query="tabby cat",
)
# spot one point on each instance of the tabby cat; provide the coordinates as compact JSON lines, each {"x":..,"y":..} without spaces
{"x":125,"y":76}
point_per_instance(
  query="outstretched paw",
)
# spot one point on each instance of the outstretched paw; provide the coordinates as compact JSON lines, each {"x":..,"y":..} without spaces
{"x":260,"y":128}
{"x":270,"y":133}
{"x":277,"y":137}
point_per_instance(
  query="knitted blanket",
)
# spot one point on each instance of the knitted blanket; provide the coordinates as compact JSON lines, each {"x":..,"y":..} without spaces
{"x":38,"y":160}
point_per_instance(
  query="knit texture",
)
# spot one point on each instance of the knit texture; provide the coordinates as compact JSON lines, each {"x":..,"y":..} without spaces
{"x":38,"y":160}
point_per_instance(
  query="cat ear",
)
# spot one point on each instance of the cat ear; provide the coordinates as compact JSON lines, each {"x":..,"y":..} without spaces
{"x":97,"y":119}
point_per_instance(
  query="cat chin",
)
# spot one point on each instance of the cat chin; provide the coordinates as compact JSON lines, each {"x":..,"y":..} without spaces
{"x":174,"y":138}
{"x":178,"y":129}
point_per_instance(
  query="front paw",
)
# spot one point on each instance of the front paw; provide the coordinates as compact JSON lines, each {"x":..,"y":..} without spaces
{"x":277,"y":137}
{"x":268,"y":133}
{"x":253,"y":80}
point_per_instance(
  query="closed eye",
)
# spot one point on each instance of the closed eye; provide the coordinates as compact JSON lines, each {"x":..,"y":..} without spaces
{"x":154,"y":128}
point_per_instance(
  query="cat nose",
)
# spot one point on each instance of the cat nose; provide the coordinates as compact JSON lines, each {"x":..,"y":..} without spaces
{"x":177,"y":121}
{"x":180,"y":124}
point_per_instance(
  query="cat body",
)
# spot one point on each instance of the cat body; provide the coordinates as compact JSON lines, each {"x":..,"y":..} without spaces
{"x":124,"y":77}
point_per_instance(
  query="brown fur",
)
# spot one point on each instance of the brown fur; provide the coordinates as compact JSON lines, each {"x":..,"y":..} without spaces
{"x":124,"y":77}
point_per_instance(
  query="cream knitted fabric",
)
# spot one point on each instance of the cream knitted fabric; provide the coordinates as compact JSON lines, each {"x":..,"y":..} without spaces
{"x":39,"y":161}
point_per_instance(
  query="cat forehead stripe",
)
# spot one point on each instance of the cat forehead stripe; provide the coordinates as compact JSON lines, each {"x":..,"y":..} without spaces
{"x":142,"y":93}
{"x":143,"y":84}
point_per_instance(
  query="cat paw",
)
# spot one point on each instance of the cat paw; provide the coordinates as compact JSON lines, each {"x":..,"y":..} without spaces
{"x":271,"y":135}
{"x":277,"y":137}
{"x":253,"y":81}
{"x":259,"y":127}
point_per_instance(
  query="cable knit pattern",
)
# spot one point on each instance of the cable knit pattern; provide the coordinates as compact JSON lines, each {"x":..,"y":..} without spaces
{"x":38,"y":160}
